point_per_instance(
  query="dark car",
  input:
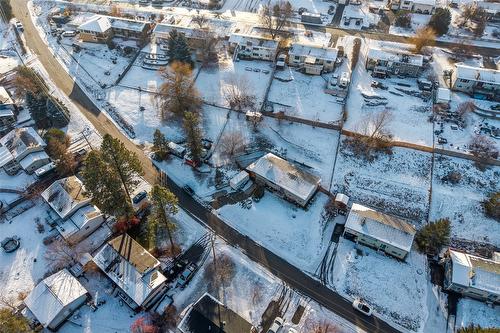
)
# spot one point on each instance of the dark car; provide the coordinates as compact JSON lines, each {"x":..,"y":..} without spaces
{"x":442,"y":140}
{"x":188,"y":189}
{"x":186,"y":275}
{"x":139,"y":197}
{"x":380,"y":85}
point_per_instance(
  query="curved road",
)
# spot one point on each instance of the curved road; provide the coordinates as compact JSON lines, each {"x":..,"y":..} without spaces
{"x":279,"y":267}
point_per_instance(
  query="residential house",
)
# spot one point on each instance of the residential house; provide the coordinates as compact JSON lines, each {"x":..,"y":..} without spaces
{"x":133,"y":270}
{"x":253,"y":47}
{"x":353,"y":15}
{"x":379,"y":231}
{"x":482,"y":83}
{"x":18,"y":145}
{"x":314,"y":59}
{"x":54,"y":299}
{"x":77,"y":218}
{"x":472,"y":276}
{"x":194,"y":36}
{"x":97,"y":29}
{"x":284,"y":178}
{"x":7,"y":109}
{"x":208,"y":314}
{"x":415,"y":6}
{"x":385,"y":62}
{"x":100,"y":28}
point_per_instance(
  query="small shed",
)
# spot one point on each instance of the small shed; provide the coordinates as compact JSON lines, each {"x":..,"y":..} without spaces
{"x":443,"y":96}
{"x":239,"y":180}
{"x":253,"y":116}
{"x":341,"y":201}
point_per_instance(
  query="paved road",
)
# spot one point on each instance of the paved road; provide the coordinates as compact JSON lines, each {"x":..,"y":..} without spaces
{"x":279,"y":267}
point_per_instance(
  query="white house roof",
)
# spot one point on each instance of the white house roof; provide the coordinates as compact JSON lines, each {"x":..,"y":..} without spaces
{"x":121,"y":23}
{"x":65,"y":195}
{"x":32,"y":158}
{"x":425,"y":2}
{"x":478,"y":74}
{"x":78,"y":220}
{"x":285,"y":175}
{"x":443,"y":94}
{"x":19,"y":140}
{"x":243,"y":39}
{"x":5,"y":156}
{"x":131,"y":267}
{"x":382,"y":227}
{"x":5,"y":99}
{"x":97,"y":23}
{"x":163,"y":30}
{"x":396,"y":56}
{"x":475,"y":272}
{"x":326,"y":53}
{"x":52,"y":294}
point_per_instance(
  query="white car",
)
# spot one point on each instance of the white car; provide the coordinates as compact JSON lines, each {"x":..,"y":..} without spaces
{"x":362,"y":307}
{"x":277,"y":324}
{"x":292,"y":330}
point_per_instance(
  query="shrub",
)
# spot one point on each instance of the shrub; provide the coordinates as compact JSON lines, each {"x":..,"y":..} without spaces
{"x":433,"y":236}
{"x":492,"y":206}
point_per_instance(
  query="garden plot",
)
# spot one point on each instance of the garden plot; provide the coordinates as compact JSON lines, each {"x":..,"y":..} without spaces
{"x":395,"y":289}
{"x":140,"y":78}
{"x":303,"y":96}
{"x":409,"y":121}
{"x":397,"y":184}
{"x":470,"y":312}
{"x":417,"y":21}
{"x":462,"y":202}
{"x":297,"y":235}
{"x":212,"y":82}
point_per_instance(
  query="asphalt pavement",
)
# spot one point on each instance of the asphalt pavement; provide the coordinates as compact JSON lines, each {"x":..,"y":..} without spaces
{"x":293,"y":276}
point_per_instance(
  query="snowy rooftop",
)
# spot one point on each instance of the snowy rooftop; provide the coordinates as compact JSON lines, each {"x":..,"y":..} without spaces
{"x":354,"y":12}
{"x":385,"y":228}
{"x":425,"y":2}
{"x":53,"y":293}
{"x":249,"y":40}
{"x":78,"y":220}
{"x":65,"y":196}
{"x":286,"y":175}
{"x":325,"y":53}
{"x":32,"y":158}
{"x":97,"y":23}
{"x":396,"y":56}
{"x":443,"y":94}
{"x":121,"y":23}
{"x":19,"y":140}
{"x":205,"y":313}
{"x":478,"y":74}
{"x":5,"y":156}
{"x":5,"y":100}
{"x":162,"y":30}
{"x":476,"y":272}
{"x":131,"y":267}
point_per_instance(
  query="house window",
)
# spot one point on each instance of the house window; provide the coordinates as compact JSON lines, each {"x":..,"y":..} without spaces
{"x":464,"y":80}
{"x":297,"y":57}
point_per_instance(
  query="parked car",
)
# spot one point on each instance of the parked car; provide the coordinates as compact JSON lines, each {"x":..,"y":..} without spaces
{"x":19,"y":26}
{"x":139,"y":197}
{"x":186,"y":275}
{"x":362,"y":307}
{"x":188,"y":189}
{"x":276,"y":325}
{"x":442,"y":140}
{"x":380,"y":85}
{"x":69,"y":33}
{"x":292,"y":330}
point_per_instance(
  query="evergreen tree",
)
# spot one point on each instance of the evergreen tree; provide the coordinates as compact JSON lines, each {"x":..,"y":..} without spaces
{"x":13,"y":323}
{"x":160,"y":147}
{"x":164,"y":206}
{"x":110,"y":175}
{"x":57,"y":148}
{"x":492,"y":206}
{"x":193,"y":134}
{"x":178,"y":48}
{"x":433,"y":236}
{"x":440,"y":21}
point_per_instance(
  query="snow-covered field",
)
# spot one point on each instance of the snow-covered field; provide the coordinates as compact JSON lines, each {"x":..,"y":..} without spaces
{"x":461,"y":203}
{"x":396,"y":290}
{"x":212,"y":82}
{"x":470,"y":312}
{"x":409,"y":121}
{"x":301,"y":95}
{"x":397,"y":184}
{"x":299,"y":236}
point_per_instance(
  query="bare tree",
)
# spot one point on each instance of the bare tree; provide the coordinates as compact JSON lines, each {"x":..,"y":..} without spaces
{"x":60,"y":254}
{"x":236,"y":92}
{"x":424,"y":37}
{"x":320,"y":326}
{"x":275,"y":16}
{"x":373,"y":135}
{"x":484,"y":148}
{"x":232,"y":143}
{"x":208,"y":48}
{"x":201,"y":20}
{"x":463,"y":109}
{"x":222,"y":272}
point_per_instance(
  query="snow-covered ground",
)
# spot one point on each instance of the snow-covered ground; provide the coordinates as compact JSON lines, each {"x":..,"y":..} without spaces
{"x":396,"y":290}
{"x":212,"y":82}
{"x":303,"y":96}
{"x":470,"y":312}
{"x":461,"y":203}
{"x":409,"y":121}
{"x":299,"y":236}
{"x":397,"y":184}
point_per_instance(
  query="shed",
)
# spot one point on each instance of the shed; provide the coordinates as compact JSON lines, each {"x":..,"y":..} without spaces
{"x":443,"y":95}
{"x":239,"y":180}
